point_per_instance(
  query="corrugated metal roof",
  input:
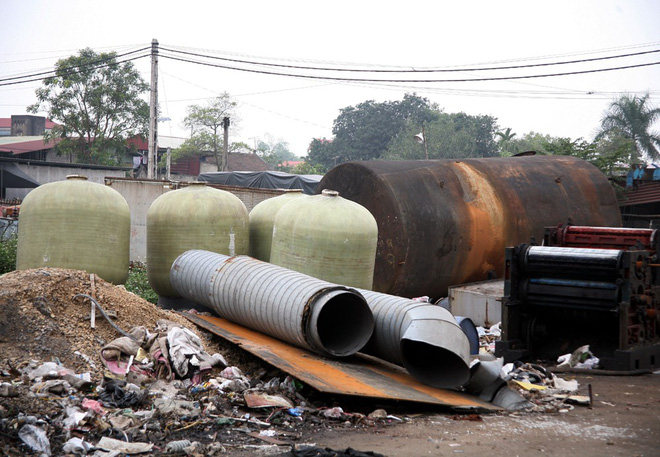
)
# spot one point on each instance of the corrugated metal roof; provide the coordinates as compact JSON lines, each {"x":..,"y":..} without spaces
{"x":645,"y":192}
{"x":16,"y":145}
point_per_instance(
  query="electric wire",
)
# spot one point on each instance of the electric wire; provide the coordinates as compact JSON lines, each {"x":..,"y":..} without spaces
{"x":414,"y":70}
{"x":483,"y":79}
{"x":66,"y":71}
{"x":522,"y":59}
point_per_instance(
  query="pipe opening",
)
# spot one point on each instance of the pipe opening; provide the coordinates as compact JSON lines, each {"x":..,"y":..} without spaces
{"x":433,"y":365}
{"x":340,"y":324}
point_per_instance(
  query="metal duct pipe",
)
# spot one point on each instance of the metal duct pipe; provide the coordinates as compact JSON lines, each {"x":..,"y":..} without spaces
{"x":327,"y":318}
{"x":422,"y":337}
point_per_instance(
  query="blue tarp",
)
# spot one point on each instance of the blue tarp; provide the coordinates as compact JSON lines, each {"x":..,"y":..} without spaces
{"x":263,"y":180}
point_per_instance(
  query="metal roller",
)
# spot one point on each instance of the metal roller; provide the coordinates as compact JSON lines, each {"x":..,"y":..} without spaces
{"x":542,"y":261}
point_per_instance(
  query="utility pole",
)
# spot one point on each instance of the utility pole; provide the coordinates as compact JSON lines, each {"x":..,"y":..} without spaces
{"x":225,"y":146}
{"x":152,"y":159}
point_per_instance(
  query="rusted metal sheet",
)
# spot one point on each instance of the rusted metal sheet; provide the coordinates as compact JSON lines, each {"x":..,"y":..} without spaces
{"x":447,"y":222}
{"x":645,"y":192}
{"x":358,"y":375}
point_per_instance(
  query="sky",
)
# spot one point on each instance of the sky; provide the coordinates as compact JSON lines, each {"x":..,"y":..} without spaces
{"x":349,"y":35}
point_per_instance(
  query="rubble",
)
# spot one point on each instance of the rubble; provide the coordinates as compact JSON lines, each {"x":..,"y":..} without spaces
{"x":149,"y":384}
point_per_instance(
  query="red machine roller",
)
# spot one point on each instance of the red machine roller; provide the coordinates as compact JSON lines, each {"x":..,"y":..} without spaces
{"x":576,"y":236}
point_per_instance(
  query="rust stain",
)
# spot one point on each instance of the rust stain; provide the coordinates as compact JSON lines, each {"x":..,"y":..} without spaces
{"x":485,"y":225}
{"x":358,"y":375}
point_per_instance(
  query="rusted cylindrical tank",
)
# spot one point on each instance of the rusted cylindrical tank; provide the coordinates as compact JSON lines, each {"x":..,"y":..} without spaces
{"x":262,"y":218}
{"x":75,"y":224}
{"x":447,"y":222}
{"x":327,"y":237}
{"x":195,"y":217}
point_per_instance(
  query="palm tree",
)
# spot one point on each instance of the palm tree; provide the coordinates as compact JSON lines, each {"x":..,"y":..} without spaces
{"x":632,"y":117}
{"x":505,"y":141}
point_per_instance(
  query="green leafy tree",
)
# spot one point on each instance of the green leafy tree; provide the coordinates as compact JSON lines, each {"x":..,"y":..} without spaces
{"x":275,"y":152}
{"x":322,"y":154}
{"x":306,"y":169}
{"x":532,"y":141}
{"x":455,"y":135}
{"x":206,"y":124}
{"x":364,"y":132}
{"x":633,"y":117}
{"x":97,"y":103}
{"x":505,"y":142}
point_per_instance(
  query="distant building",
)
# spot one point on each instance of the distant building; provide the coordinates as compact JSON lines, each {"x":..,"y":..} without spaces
{"x":25,"y":125}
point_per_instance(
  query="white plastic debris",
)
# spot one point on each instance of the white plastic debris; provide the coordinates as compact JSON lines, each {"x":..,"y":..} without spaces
{"x":77,"y":446}
{"x":35,"y":438}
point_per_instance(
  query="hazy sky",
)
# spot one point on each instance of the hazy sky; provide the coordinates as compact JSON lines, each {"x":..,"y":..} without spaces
{"x":353,"y":34}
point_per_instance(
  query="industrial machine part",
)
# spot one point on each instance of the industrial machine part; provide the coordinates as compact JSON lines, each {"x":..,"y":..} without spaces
{"x":447,"y":222}
{"x":329,"y":319}
{"x":602,"y":237}
{"x":558,"y":299}
{"x":422,"y":337}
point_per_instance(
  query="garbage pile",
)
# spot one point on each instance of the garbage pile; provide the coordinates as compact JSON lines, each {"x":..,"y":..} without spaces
{"x":145,"y":382}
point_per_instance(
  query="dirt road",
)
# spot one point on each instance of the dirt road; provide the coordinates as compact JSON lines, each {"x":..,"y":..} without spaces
{"x":624,"y":421}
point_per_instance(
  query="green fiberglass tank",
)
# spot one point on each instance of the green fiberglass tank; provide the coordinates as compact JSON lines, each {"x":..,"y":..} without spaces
{"x":195,"y":217}
{"x":262,"y":218}
{"x":328,"y":237}
{"x":75,"y":224}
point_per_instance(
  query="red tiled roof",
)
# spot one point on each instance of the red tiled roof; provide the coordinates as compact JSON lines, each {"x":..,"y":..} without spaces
{"x":292,"y":163}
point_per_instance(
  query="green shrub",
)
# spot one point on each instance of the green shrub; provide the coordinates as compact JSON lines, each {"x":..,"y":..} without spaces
{"x":8,"y":253}
{"x":138,"y":284}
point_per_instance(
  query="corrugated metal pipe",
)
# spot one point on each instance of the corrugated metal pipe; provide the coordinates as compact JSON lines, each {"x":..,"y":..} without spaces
{"x":329,"y":319}
{"x":422,"y":337}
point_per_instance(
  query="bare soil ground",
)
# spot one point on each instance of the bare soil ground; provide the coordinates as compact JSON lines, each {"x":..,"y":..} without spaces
{"x":624,"y":421}
{"x":40,"y":320}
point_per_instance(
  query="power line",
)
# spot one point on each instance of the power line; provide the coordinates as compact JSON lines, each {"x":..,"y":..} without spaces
{"x":352,"y":64}
{"x":331,"y":78}
{"x":414,"y":70}
{"x":66,"y":71}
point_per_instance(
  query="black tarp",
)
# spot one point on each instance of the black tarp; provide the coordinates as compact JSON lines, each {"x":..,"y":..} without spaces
{"x":13,"y":177}
{"x":263,"y":180}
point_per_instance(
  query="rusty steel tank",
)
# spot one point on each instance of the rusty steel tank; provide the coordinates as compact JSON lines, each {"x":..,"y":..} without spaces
{"x":448,"y":222}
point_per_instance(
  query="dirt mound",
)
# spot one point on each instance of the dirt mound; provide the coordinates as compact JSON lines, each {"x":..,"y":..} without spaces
{"x":41,"y":318}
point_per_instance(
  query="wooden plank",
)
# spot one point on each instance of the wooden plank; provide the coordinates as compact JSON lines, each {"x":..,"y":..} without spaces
{"x":359,"y":375}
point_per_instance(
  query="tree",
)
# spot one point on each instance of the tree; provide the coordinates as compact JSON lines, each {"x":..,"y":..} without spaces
{"x":504,"y":142}
{"x":364,"y":132}
{"x":321,"y":153}
{"x":633,"y":117}
{"x":206,"y":124}
{"x":306,"y":169}
{"x":275,"y":152}
{"x":532,"y":141}
{"x":96,"y":100}
{"x":455,"y":135}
